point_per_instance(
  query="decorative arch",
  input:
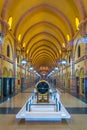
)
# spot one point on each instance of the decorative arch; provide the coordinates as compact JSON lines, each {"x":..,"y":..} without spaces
{"x":79,"y":51}
{"x":77,"y":73}
{"x":82,"y":82}
{"x":46,"y":48}
{"x":48,"y":7}
{"x":22,"y":75}
{"x":10,"y":73}
{"x":8,"y":50}
{"x":82,"y":72}
{"x":9,"y":43}
{"x":18,"y":74}
{"x":77,"y":42}
{"x":45,"y":23}
{"x":46,"y":33}
{"x":5,"y":72}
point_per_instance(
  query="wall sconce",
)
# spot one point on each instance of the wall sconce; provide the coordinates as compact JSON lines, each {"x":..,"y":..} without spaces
{"x":23,"y":61}
{"x":62,"y":62}
{"x":31,"y":68}
{"x":56,"y":68}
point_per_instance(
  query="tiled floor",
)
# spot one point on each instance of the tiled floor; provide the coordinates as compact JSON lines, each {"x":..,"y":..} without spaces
{"x":75,"y":107}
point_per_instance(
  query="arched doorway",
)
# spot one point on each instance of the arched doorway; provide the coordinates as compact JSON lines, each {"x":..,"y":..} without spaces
{"x":68,"y":82}
{"x":6,"y":85}
{"x":5,"y":73}
{"x":82,"y":90}
{"x":11,"y":82}
{"x":58,"y":80}
{"x":10,"y":73}
{"x":64,"y":81}
{"x":18,"y":82}
{"x":77,"y":81}
{"x":22,"y":81}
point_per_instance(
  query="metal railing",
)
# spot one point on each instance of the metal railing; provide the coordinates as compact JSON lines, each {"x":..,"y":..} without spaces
{"x":57,"y":103}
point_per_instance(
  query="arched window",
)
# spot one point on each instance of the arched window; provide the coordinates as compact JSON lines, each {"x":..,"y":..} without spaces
{"x":79,"y":51}
{"x":18,"y":58}
{"x":8,"y":50}
{"x":69,"y":59}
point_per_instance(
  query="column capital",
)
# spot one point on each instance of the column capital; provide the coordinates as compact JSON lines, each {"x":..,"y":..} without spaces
{"x":5,"y":27}
{"x":82,"y":27}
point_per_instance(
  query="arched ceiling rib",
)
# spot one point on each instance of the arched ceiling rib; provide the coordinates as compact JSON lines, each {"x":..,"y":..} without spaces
{"x":45,"y":6}
{"x":44,"y":23}
{"x":38,"y":47}
{"x":44,"y":26}
{"x":43,"y":60}
{"x":80,"y":7}
{"x":49,"y":35}
{"x":43,"y":54}
{"x":46,"y":50}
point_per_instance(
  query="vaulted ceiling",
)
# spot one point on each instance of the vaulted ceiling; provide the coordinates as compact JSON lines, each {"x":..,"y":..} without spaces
{"x":43,"y":27}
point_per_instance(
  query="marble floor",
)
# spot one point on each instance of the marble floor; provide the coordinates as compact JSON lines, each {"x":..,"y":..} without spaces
{"x":76,"y":107}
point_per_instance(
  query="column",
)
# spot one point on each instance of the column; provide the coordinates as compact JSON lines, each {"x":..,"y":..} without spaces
{"x":3,"y":33}
{"x":85,"y":65}
{"x":15,"y":68}
{"x":72,"y":76}
{"x":83,"y":30}
{"x":61,"y":77}
{"x":1,"y":72}
{"x":72,"y":71}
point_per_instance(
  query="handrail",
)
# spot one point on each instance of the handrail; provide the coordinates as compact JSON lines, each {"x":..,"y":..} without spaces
{"x":57,"y":103}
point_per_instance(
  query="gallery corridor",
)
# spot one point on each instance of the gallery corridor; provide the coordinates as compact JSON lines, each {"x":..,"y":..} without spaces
{"x":43,"y":40}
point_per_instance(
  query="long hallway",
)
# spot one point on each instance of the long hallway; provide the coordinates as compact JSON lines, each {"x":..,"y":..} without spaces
{"x":43,"y":40}
{"x":76,"y":108}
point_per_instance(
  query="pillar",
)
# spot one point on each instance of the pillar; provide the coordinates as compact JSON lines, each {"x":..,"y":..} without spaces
{"x":72,"y":72}
{"x":85,"y":65}
{"x":83,"y":30}
{"x":1,"y":72}
{"x":15,"y":67}
{"x":3,"y":29}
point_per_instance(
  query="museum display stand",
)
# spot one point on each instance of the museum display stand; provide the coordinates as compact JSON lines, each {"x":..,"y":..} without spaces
{"x":43,"y":105}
